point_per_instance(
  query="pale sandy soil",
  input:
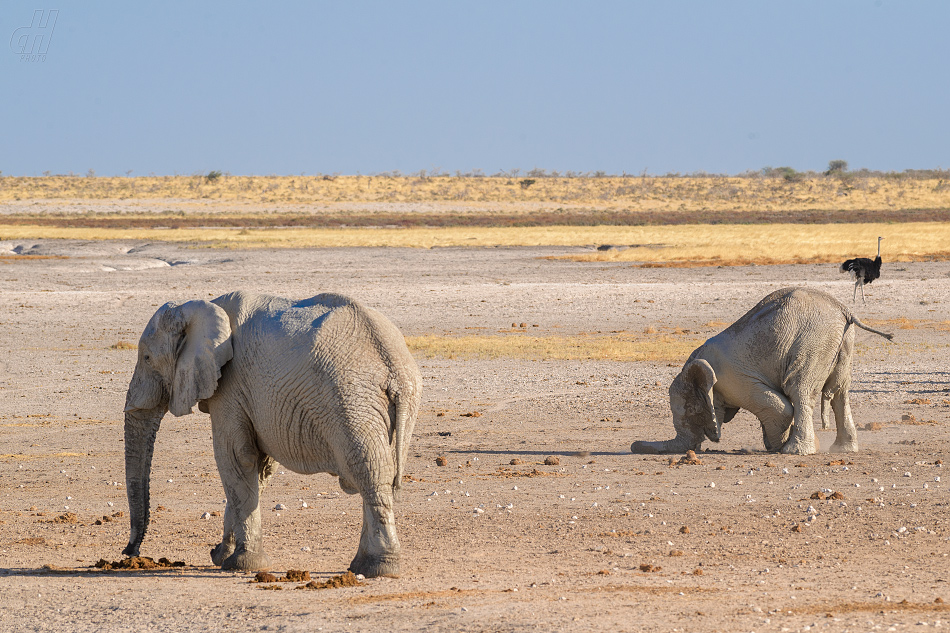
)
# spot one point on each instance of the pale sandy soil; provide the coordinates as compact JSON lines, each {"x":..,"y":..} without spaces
{"x":554,"y":547}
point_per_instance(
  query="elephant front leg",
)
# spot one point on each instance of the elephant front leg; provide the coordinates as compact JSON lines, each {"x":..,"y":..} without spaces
{"x":378,"y":554}
{"x":240,"y":465}
{"x":226,"y":547}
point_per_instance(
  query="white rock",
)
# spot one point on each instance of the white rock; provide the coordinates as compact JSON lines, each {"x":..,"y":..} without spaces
{"x":280,"y":506}
{"x":305,"y":548}
{"x":206,"y":516}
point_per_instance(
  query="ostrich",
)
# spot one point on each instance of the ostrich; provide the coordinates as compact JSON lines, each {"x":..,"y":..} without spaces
{"x":864,"y":270}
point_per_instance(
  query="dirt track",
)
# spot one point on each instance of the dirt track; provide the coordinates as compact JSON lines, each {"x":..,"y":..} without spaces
{"x":604,"y":540}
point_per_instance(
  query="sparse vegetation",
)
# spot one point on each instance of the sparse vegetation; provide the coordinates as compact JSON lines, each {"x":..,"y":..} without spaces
{"x":836,"y":167}
{"x":770,"y":191}
{"x":619,"y":347}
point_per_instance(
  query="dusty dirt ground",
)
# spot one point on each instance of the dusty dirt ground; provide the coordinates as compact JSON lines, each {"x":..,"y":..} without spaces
{"x":495,"y":540}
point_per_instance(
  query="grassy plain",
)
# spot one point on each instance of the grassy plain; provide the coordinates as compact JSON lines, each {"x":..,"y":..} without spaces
{"x":656,"y":221}
{"x":695,"y":244}
{"x":618,"y":347}
{"x":846,"y":192}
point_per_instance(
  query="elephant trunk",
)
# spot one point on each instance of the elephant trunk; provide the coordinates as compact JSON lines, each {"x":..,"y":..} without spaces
{"x":140,"y":430}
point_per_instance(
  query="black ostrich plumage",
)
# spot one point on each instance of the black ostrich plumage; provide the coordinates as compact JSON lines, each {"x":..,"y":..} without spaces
{"x":867,"y":270}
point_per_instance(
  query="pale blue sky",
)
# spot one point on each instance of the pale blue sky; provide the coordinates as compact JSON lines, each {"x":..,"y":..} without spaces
{"x":365,"y":87}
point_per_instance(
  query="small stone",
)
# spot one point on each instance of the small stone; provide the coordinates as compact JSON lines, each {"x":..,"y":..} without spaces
{"x":441,"y":460}
{"x":551,"y":460}
{"x":280,"y":506}
{"x":206,"y":516}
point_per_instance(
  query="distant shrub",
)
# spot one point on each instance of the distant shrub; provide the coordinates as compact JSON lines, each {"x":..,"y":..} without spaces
{"x":837,"y":167}
{"x":527,"y":182}
{"x":213,"y":176}
{"x":786,"y":173}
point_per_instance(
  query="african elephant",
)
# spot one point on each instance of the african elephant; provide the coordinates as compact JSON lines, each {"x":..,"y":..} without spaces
{"x":320,"y":385}
{"x":795,"y":345}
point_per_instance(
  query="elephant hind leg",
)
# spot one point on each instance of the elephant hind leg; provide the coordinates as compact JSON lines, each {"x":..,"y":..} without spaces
{"x":378,"y":553}
{"x":775,"y":414}
{"x":846,"y":440}
{"x":802,"y":440}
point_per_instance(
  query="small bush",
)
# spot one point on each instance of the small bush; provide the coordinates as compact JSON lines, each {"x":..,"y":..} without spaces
{"x":836,"y":167}
{"x":213,"y":176}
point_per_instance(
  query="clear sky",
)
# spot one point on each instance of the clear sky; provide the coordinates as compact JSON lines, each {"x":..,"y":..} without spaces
{"x":368,"y":87}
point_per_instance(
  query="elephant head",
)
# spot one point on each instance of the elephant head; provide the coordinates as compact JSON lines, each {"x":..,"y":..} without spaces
{"x":694,"y":413}
{"x":181,"y":353}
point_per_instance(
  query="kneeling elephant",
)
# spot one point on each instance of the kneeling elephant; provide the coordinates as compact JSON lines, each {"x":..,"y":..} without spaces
{"x":793,"y":347}
{"x":319,"y":385}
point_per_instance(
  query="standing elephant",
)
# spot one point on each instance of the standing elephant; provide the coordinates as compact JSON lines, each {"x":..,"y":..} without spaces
{"x":320,"y":385}
{"x":792,"y":347}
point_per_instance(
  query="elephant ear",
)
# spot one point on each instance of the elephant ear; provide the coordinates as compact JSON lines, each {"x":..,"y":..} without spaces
{"x":700,"y":376}
{"x":203,"y":332}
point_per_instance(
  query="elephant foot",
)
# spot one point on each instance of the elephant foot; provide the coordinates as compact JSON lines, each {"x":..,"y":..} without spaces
{"x":844,"y":447}
{"x":375,"y":566}
{"x":221,"y":552}
{"x":647,"y":448}
{"x":247,"y":561}
{"x":799,"y":447}
{"x":132,"y":549}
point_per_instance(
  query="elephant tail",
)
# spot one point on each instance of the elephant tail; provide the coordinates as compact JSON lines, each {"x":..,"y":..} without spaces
{"x":854,"y":319}
{"x":400,"y":423}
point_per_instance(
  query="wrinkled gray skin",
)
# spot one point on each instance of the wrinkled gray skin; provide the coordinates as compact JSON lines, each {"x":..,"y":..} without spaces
{"x":319,"y":385}
{"x":776,"y":361}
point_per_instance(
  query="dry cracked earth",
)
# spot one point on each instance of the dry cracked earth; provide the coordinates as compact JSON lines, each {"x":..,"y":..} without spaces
{"x":540,"y":518}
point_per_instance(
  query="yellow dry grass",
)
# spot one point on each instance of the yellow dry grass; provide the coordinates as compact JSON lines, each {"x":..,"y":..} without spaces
{"x":731,"y":244}
{"x":685,"y":245}
{"x":644,"y":193}
{"x":620,"y":347}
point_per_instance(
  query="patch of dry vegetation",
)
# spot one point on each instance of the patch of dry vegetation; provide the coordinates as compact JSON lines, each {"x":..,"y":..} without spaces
{"x":619,"y":347}
{"x":851,"y":191}
{"x":743,"y":244}
{"x":691,"y":245}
